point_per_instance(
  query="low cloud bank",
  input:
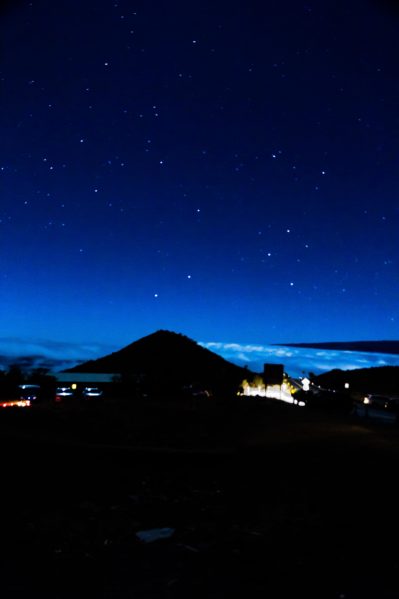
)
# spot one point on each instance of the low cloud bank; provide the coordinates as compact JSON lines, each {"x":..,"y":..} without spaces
{"x":298,"y":360}
{"x":42,"y":353}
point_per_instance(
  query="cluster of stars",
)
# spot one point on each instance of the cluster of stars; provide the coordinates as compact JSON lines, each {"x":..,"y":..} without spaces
{"x":173,"y":137}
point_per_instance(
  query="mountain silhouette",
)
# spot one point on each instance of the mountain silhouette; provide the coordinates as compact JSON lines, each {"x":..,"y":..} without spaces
{"x":168,"y":361}
{"x":380,"y":379}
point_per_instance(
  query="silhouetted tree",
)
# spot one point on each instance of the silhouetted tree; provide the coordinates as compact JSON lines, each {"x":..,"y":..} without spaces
{"x":10,"y":380}
{"x":43,"y":378}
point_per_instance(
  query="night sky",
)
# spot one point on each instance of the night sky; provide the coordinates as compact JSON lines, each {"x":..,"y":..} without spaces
{"x":224,"y":169}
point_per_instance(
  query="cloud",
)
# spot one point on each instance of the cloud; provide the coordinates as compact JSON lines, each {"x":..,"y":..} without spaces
{"x":298,"y":360}
{"x":44,"y":353}
{"x":56,"y":355}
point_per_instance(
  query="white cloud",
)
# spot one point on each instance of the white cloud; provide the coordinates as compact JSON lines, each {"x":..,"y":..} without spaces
{"x":51,"y":354}
{"x":298,"y":360}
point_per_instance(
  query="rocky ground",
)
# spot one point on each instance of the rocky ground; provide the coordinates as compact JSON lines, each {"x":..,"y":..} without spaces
{"x":136,"y":501}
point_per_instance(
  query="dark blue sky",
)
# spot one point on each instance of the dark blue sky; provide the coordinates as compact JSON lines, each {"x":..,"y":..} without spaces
{"x":228,"y":170}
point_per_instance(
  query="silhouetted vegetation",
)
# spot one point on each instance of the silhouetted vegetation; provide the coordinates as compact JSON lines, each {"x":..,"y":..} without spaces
{"x":43,"y":378}
{"x":11,"y":379}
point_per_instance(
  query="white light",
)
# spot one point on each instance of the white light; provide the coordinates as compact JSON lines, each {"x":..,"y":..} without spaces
{"x":282,"y":393}
{"x":346,"y":385}
{"x":366,"y":400}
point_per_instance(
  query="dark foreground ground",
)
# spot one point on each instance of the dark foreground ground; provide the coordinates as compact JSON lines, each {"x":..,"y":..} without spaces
{"x":262,"y":501}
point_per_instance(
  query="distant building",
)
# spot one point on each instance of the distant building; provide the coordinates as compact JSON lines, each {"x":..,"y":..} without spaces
{"x":80,"y":380}
{"x":273,"y":374}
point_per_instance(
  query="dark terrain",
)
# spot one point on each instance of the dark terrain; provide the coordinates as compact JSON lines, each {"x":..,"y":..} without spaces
{"x":265,"y":500}
{"x":378,"y":380}
{"x":378,"y":347}
{"x":169,"y":361}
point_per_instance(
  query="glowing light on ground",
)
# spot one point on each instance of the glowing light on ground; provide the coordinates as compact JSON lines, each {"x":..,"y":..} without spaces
{"x":257,"y":388}
{"x":18,"y":403}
